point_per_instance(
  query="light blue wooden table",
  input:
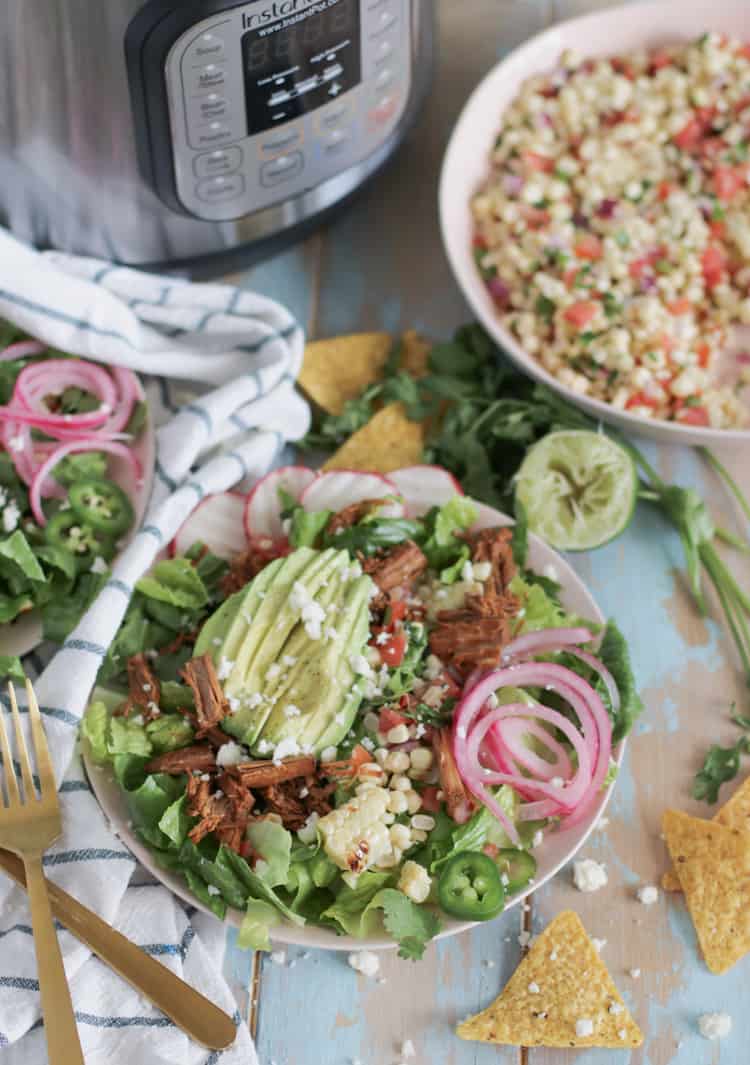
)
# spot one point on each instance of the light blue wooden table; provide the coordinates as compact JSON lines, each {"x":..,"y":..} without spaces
{"x":381,"y":266}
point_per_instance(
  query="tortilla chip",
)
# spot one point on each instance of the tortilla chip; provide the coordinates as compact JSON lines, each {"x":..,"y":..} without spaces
{"x":735,"y":813}
{"x":570,"y":983}
{"x":388,"y":442}
{"x":340,"y":368}
{"x":415,"y":352}
{"x":713,"y":864}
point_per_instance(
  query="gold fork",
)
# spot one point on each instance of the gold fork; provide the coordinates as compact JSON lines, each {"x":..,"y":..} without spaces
{"x":28,"y":825}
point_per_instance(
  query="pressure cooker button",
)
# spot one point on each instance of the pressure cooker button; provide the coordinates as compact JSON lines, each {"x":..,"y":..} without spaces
{"x":210,"y":107}
{"x":384,"y":21}
{"x":220,"y":189}
{"x":336,"y":140}
{"x":205,"y":79}
{"x":208,"y":48}
{"x":213,"y":164}
{"x":281,"y":140}
{"x":213,"y":134}
{"x":383,"y":52}
{"x":284,"y":168}
{"x":384,"y":79}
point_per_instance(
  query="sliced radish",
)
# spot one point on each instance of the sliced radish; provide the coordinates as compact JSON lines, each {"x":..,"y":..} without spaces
{"x":424,"y":487}
{"x":339,"y":488}
{"x":263,"y":508}
{"x":216,"y":522}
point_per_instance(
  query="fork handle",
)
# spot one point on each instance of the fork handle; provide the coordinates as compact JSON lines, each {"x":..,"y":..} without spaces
{"x":60,"y":1029}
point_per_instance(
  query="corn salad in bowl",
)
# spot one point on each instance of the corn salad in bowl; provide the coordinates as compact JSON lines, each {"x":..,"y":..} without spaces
{"x":613,"y":231}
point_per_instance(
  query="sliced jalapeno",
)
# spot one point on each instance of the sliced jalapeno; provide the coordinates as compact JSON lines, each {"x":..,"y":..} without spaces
{"x":518,"y":866}
{"x":470,"y":887}
{"x":103,"y":505}
{"x":85,"y":543}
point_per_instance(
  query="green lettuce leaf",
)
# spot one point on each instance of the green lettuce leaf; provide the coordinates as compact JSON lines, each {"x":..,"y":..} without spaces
{"x":95,"y":731}
{"x":306,"y":527}
{"x":199,"y":888}
{"x":63,"y":612}
{"x":259,"y":918}
{"x":13,"y":605}
{"x":169,"y":732}
{"x":614,"y":653}
{"x":18,"y":561}
{"x":176,"y":582}
{"x":274,"y":844}
{"x":10,"y":667}
{"x":482,"y":827}
{"x":438,"y":539}
{"x":128,"y":737}
{"x":176,"y":822}
{"x":541,"y":610}
{"x":349,"y":912}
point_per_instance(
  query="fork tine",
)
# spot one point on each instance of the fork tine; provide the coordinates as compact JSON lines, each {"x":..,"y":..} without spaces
{"x":39,"y":738}
{"x":11,"y":784}
{"x":29,"y":792}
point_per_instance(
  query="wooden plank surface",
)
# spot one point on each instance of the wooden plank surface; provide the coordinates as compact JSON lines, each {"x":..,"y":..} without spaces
{"x":381,"y":265}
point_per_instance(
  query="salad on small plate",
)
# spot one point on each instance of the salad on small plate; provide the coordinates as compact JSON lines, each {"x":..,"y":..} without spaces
{"x":352,"y":708}
{"x":76,"y":454}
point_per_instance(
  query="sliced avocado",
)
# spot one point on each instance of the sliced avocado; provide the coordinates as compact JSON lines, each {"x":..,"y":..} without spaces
{"x":276,"y":630}
{"x":230,"y":623}
{"x":324,"y":689}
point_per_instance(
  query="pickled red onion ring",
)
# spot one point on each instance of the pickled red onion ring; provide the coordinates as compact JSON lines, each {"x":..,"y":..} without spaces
{"x":120,"y":450}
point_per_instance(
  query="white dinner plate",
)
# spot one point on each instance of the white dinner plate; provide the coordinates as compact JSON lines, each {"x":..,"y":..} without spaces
{"x":557,"y":849}
{"x":466,"y":165}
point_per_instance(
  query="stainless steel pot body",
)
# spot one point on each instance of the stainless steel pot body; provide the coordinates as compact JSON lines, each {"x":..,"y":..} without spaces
{"x":72,"y":169}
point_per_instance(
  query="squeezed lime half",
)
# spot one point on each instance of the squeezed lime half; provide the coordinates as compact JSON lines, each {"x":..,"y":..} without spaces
{"x":579,"y":489}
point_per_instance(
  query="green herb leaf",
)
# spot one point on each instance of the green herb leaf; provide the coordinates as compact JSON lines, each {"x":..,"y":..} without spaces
{"x":175,"y":582}
{"x":411,"y":925}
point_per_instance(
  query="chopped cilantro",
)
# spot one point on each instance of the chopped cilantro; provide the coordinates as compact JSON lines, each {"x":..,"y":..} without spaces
{"x":545,"y":308}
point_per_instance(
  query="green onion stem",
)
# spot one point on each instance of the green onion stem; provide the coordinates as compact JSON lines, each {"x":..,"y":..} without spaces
{"x":730,"y":482}
{"x":728,"y":607}
{"x":708,"y":551}
{"x":734,"y":541}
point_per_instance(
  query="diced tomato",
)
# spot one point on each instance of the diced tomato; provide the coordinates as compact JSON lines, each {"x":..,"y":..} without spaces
{"x":637,"y":268}
{"x":394,"y":650}
{"x":491,"y":850}
{"x":641,"y":399}
{"x":680,"y":306}
{"x":535,"y":161}
{"x":729,"y":181}
{"x":360,"y":756}
{"x":390,"y":718}
{"x":744,"y":50}
{"x":704,"y":354}
{"x":694,"y":416}
{"x":667,"y":343}
{"x":535,"y":217}
{"x":580,"y":314}
{"x":714,"y":264}
{"x":659,"y":60}
{"x":691,"y":134}
{"x":711,"y":147}
{"x":589,"y":247}
{"x":397,"y":610}
{"x":665,"y":190}
{"x":718,"y":228}
{"x":479,"y":242}
{"x":624,"y":67}
{"x":570,"y":275}
{"x":430,"y":801}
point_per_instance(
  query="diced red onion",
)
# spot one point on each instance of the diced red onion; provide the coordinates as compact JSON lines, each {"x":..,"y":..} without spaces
{"x":499,"y":291}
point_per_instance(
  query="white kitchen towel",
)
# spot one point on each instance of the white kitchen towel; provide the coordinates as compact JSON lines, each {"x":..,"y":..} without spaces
{"x":252,"y":349}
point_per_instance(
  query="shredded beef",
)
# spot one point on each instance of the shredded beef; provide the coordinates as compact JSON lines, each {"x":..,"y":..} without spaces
{"x":144,"y":689}
{"x":198,"y":758}
{"x":397,"y":568}
{"x":225,"y":812}
{"x":263,"y":774}
{"x":247,"y":565}
{"x":295,"y":800}
{"x":494,"y":546}
{"x":211,"y":706}
{"x":352,"y":514}
{"x":458,"y":802}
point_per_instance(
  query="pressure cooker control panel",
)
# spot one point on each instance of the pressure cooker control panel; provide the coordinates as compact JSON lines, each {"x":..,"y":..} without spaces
{"x":271,"y":98}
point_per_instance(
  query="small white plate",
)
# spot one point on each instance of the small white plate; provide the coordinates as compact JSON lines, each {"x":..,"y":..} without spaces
{"x":466,"y":164}
{"x":558,"y":847}
{"x":21,"y":636}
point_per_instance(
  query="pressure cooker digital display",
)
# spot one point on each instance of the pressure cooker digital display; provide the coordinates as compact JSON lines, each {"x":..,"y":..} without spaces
{"x":296,"y":65}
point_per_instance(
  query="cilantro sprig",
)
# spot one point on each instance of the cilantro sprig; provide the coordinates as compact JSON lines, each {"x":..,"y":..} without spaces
{"x":721,"y":763}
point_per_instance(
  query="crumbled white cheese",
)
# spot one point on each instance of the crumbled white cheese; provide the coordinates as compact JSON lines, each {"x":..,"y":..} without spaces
{"x":16,"y":443}
{"x":230,"y":753}
{"x":331,"y":634}
{"x":264,"y":747}
{"x":598,"y":944}
{"x":273,"y":671}
{"x":584,"y":1027}
{"x":292,"y":711}
{"x":534,"y":988}
{"x":553,"y":955}
{"x":226,"y":665}
{"x":382,"y":637}
{"x":647,"y":894}
{"x":365,"y":962}
{"x":278,"y":957}
{"x":550,"y":572}
{"x":557,"y":782}
{"x":11,"y":514}
{"x":524,"y":938}
{"x":212,"y":889}
{"x":98,"y":565}
{"x":589,"y":875}
{"x":288,"y":660}
{"x":328,"y":754}
{"x":216,"y":641}
{"x":616,"y":1008}
{"x":360,"y":665}
{"x":467,"y":571}
{"x":714,"y":1025}
{"x":602,"y":823}
{"x":407,"y":1049}
{"x":286,"y":748}
{"x":538,"y":838}
{"x":622,"y":1034}
{"x":137,"y":719}
{"x":635,"y":974}
{"x":253,"y":700}
{"x":234,"y":703}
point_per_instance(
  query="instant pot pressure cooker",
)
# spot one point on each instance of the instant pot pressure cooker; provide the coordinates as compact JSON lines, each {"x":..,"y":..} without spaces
{"x":189,"y":134}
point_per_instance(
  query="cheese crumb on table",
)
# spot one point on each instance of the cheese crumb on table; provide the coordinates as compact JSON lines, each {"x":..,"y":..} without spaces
{"x":365,"y":962}
{"x":584,"y":1027}
{"x":589,"y":875}
{"x":647,"y":894}
{"x":715,"y":1025}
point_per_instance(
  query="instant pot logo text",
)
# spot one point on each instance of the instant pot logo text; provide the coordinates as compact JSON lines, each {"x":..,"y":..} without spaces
{"x":282,"y":9}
